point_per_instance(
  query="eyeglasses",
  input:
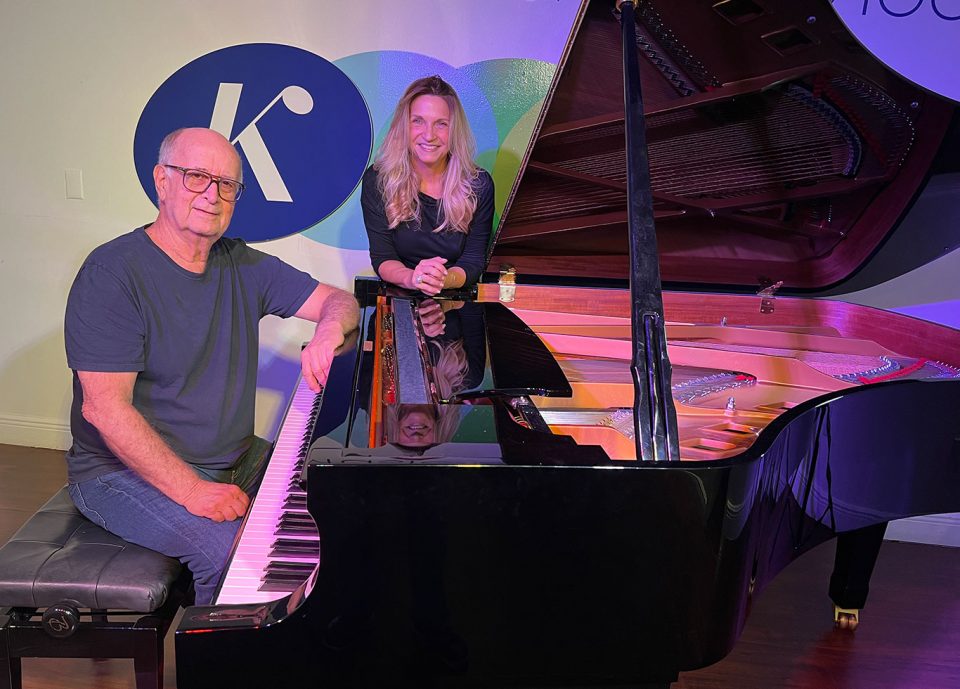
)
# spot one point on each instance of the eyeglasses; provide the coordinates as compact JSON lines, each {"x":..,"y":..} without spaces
{"x":199,"y":181}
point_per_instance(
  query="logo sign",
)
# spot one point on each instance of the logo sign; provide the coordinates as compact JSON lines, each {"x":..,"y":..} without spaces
{"x":301,"y":127}
{"x":919,"y":39}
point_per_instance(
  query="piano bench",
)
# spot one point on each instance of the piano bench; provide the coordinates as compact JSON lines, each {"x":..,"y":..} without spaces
{"x":61,"y":576}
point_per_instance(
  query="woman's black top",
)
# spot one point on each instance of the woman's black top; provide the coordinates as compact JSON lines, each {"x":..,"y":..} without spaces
{"x":411,"y":242}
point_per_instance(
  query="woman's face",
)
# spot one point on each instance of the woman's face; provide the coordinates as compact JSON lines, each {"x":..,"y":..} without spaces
{"x":429,"y":132}
{"x":417,"y":429}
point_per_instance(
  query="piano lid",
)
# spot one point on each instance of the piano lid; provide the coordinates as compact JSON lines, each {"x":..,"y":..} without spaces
{"x":779,"y":148}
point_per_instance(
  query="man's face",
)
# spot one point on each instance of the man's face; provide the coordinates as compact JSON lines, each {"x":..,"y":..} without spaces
{"x":199,"y":214}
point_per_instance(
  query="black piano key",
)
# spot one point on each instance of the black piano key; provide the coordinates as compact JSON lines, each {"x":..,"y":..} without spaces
{"x":310,"y":549}
{"x":296,"y":521}
{"x":291,"y":546}
{"x":283,"y":586}
{"x":296,"y":502}
{"x":287,"y":578}
{"x":295,"y":544}
{"x":289,"y":568}
{"x":292,"y":516}
{"x":311,"y":533}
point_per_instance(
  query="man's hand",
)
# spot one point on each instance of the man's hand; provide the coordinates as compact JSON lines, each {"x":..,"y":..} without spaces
{"x":217,"y":501}
{"x":316,"y":357}
{"x":335,"y":312}
{"x":429,"y":276}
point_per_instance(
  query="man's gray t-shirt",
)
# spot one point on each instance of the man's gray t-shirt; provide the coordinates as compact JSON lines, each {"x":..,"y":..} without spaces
{"x":192,"y":339}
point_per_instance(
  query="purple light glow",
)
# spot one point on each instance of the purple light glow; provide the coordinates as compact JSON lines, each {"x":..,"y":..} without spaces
{"x":917,"y":38}
{"x":943,"y":312}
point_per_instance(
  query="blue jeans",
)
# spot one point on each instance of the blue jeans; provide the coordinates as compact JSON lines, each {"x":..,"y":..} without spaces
{"x":126,"y":505}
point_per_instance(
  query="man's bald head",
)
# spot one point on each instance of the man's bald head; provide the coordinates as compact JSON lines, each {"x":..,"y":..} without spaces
{"x":191,"y":137}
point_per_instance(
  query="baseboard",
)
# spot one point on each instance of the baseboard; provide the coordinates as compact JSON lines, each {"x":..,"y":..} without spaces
{"x":32,"y":431}
{"x":935,"y":529}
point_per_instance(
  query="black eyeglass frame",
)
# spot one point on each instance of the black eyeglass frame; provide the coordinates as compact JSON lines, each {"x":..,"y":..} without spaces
{"x":212,"y":178}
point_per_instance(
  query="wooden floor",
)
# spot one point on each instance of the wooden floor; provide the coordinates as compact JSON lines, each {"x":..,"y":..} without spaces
{"x":909,"y":636}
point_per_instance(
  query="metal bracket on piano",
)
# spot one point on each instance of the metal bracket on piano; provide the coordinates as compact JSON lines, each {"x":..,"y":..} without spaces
{"x":767,"y":294}
{"x":529,"y":415}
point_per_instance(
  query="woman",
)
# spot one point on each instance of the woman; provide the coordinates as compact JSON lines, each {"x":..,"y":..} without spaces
{"x":427,"y":207}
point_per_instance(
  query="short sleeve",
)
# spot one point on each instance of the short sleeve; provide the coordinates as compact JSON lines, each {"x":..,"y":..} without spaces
{"x":103,"y":324}
{"x":283,"y":288}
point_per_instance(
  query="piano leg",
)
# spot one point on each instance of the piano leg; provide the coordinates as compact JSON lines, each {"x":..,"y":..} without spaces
{"x":852,"y":566}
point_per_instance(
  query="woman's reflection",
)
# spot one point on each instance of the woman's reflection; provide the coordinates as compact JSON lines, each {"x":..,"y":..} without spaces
{"x":457,"y":349}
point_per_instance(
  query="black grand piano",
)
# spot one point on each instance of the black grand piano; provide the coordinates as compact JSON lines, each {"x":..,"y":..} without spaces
{"x":464,"y":506}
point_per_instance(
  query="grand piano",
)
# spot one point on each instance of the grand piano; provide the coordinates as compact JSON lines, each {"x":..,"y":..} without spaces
{"x":464,"y":504}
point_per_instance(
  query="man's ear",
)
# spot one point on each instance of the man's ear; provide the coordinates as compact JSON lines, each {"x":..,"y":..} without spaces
{"x":160,"y":182}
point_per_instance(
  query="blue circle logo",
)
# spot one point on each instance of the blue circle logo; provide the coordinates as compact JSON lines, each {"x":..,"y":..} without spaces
{"x":301,"y":127}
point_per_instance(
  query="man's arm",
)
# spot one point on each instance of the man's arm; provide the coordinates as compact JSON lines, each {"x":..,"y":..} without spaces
{"x":336,"y":313}
{"x":108,"y":405}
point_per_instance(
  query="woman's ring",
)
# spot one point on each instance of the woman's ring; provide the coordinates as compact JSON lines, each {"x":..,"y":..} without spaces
{"x":419,"y":278}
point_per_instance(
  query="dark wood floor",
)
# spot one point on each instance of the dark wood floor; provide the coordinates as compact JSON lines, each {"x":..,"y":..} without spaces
{"x":909,"y":637}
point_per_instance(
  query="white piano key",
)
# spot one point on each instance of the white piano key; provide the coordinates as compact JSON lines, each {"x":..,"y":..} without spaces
{"x":251,"y":556}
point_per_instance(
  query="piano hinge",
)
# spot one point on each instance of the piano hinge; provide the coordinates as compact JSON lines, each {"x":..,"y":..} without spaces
{"x":767,"y":293}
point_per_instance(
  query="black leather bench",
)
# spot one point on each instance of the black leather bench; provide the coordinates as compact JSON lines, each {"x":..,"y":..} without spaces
{"x":69,"y":589}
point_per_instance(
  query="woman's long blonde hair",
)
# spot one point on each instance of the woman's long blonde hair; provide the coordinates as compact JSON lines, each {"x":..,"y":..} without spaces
{"x":399,"y":183}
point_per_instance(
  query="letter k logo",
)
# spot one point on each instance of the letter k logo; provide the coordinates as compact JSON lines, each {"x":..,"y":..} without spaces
{"x":296,"y":99}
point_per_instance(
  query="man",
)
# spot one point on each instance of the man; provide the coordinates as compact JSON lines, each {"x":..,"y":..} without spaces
{"x":162,"y":335}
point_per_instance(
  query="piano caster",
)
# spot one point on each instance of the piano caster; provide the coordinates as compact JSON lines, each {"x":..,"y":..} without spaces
{"x":846,"y":618}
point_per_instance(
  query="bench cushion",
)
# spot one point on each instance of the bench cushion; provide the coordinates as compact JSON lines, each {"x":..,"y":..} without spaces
{"x":60,"y":555}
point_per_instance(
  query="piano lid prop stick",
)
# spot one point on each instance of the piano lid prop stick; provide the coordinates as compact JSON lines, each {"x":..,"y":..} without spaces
{"x":655,"y":418}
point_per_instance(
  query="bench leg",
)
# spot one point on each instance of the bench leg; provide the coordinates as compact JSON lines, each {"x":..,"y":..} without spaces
{"x":148,"y":654}
{"x":148,"y":666}
{"x":10,"y":672}
{"x":10,"y":677}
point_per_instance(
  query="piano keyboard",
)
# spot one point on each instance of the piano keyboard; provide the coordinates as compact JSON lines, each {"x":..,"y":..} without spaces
{"x":279,"y":546}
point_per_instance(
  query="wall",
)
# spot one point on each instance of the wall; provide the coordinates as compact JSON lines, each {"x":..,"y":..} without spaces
{"x":75,"y":78}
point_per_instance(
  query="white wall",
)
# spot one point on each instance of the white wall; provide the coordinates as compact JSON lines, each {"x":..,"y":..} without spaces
{"x":74,"y":79}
